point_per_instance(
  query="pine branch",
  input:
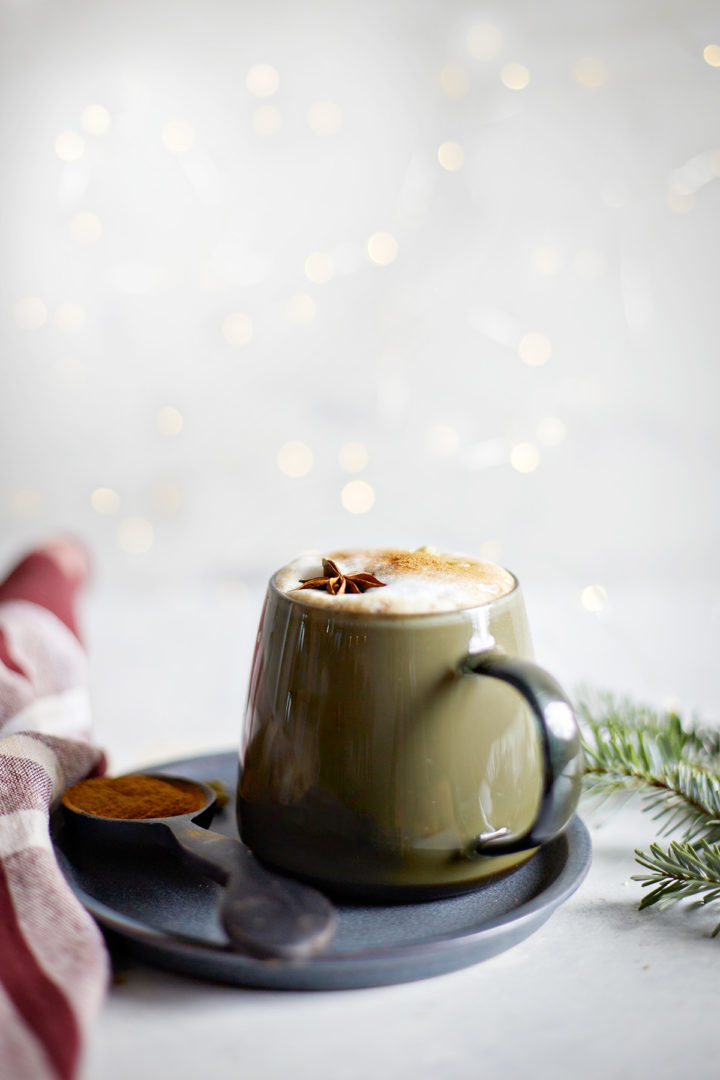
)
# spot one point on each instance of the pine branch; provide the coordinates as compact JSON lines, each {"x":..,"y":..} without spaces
{"x":682,"y":871}
{"x":636,"y":749}
{"x":676,"y":768}
{"x":690,"y":739}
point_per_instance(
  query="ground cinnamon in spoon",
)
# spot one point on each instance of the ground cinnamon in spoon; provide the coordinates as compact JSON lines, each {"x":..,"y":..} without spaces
{"x":134,"y":796}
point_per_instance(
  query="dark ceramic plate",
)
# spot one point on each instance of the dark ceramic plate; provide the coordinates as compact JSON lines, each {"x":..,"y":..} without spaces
{"x":168,"y":917}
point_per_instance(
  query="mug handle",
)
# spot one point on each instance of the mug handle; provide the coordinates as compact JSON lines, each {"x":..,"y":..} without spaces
{"x":561,"y":752}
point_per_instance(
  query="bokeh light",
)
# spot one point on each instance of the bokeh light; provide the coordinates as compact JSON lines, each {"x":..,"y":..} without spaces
{"x":167,"y":497}
{"x":26,"y":503}
{"x":711,"y":55}
{"x":295,"y":459}
{"x":451,"y":156}
{"x":551,"y":431}
{"x":443,"y":440}
{"x":135,"y":535}
{"x":594,"y":598}
{"x":590,"y":72}
{"x":262,"y":80}
{"x":85,"y":227}
{"x":95,"y":120}
{"x":70,"y":318}
{"x":382,"y":248}
{"x":454,"y":81}
{"x":319,"y":267}
{"x":325,"y":118}
{"x":301,"y":309}
{"x":525,"y":457}
{"x":547,"y":261}
{"x":353,"y":456}
{"x":169,"y":421}
{"x":178,"y":136}
{"x":237,"y":328}
{"x":69,"y":146}
{"x":30,"y":313}
{"x":534,"y":349}
{"x":515,"y":76}
{"x":104,"y":500}
{"x":358,"y":496}
{"x":484,"y":41}
{"x":267,"y":120}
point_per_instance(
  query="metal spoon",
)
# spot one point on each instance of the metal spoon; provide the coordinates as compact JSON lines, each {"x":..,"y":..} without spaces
{"x":262,"y":913}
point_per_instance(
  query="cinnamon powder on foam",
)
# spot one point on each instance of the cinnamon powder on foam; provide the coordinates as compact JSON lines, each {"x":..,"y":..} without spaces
{"x":417,"y":582}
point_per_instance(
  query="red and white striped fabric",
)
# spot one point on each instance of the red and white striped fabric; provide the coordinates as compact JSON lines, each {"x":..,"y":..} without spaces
{"x":53,"y":964}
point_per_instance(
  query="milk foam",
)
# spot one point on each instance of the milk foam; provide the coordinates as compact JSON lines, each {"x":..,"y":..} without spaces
{"x":416,"y":582}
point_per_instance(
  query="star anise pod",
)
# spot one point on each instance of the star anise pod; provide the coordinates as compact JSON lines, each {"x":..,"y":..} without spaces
{"x":335,"y":582}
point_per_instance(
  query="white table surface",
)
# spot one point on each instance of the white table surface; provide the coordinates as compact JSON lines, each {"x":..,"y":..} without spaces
{"x":601,"y":990}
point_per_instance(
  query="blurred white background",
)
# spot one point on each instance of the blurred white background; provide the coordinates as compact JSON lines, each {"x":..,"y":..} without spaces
{"x":290,"y":275}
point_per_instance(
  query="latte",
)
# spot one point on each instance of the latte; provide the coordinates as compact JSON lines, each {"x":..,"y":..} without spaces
{"x":413,"y":582}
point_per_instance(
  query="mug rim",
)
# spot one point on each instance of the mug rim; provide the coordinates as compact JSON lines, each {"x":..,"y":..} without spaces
{"x":390,"y":616}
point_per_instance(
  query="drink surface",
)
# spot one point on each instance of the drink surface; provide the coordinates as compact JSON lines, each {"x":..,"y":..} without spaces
{"x":419,"y":582}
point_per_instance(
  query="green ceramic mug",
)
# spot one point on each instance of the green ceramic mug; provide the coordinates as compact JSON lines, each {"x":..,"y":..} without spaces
{"x":402,"y":756}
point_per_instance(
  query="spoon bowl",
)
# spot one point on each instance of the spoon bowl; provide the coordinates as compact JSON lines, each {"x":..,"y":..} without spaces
{"x":263,"y":913}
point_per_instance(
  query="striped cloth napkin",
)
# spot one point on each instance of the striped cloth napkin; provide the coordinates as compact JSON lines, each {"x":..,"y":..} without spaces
{"x":53,"y":964}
